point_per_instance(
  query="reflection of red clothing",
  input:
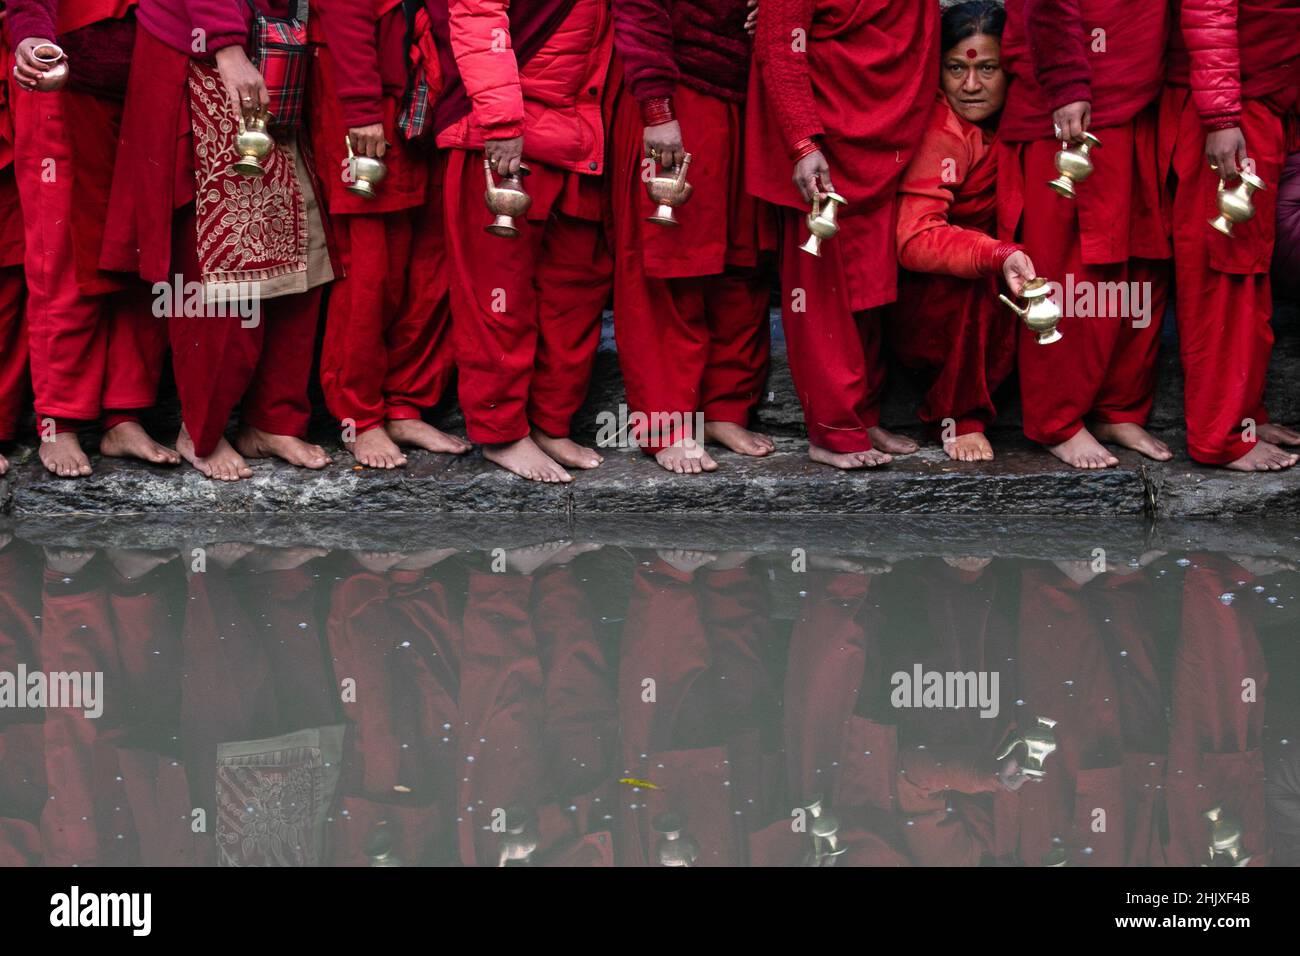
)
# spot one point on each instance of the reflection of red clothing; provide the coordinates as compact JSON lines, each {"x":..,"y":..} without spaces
{"x":23,"y":792}
{"x":1220,"y":690}
{"x":396,"y":636}
{"x":702,"y":640}
{"x":1224,"y":298}
{"x":1105,"y":368}
{"x":947,"y":322}
{"x":692,"y":313}
{"x":525,"y":311}
{"x":537,"y":723}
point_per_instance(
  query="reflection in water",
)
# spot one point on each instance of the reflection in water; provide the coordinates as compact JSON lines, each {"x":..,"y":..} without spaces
{"x":569,"y":704}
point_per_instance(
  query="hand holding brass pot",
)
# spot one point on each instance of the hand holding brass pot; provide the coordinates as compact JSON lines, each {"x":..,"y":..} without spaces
{"x":669,"y":192}
{"x":55,"y":64}
{"x":366,"y":171}
{"x":822,"y":222}
{"x":1235,"y":206}
{"x":253,"y":143}
{"x":1074,"y":164}
{"x":1041,"y":315}
{"x":507,"y":201}
{"x":1039,"y":743}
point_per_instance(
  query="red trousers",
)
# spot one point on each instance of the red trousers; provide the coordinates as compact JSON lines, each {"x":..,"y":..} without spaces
{"x":525,"y":311}
{"x":833,"y":339}
{"x":1224,"y":299}
{"x":89,"y":352}
{"x":13,"y":351}
{"x":1104,"y":368}
{"x":692,"y":331}
{"x":962,"y":342}
{"x":387,"y":351}
{"x":218,"y":361}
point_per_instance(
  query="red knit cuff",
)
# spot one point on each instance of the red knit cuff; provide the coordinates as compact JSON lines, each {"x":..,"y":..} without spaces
{"x":1221,"y":122}
{"x":657,"y":110}
{"x":1005,"y":251}
{"x":1079,"y":91}
{"x":805,"y":147}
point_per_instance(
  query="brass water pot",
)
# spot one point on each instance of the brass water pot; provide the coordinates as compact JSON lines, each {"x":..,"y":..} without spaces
{"x":367,"y":171}
{"x":1225,"y":839}
{"x":253,"y":143}
{"x":1074,"y":164}
{"x":1039,"y":743}
{"x":822,"y":222}
{"x":55,"y":63}
{"x":1041,"y":315}
{"x":668,"y":192}
{"x":1235,"y":205}
{"x":676,"y":847}
{"x":507,"y":201}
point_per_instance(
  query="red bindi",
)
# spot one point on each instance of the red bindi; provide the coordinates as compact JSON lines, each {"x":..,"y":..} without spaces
{"x":971,"y":54}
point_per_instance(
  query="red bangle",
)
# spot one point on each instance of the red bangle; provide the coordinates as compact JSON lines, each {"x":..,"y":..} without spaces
{"x":805,"y":147}
{"x":657,"y":111}
{"x":1005,"y":251}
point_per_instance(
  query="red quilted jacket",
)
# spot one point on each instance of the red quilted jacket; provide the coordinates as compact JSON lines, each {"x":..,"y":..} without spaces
{"x":1206,"y":55}
{"x":554,"y":101}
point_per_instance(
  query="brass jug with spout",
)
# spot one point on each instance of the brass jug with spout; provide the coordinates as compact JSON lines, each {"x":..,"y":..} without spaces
{"x":822,"y":222}
{"x":1039,"y":743}
{"x":253,"y":143}
{"x":1235,"y":205}
{"x":507,"y":201}
{"x":676,"y":846}
{"x":1225,"y":839}
{"x":366,"y":172}
{"x":1041,"y":315}
{"x":668,"y":192}
{"x":1074,"y":163}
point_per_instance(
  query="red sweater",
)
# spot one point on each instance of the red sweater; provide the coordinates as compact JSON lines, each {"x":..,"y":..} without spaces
{"x":699,"y":43}
{"x":223,"y":22}
{"x":48,"y":19}
{"x":1229,"y":49}
{"x":368,"y":43}
{"x":947,"y":205}
{"x":1109,"y":53}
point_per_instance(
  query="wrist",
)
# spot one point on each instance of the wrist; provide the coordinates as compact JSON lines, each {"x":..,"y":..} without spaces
{"x":230,"y":53}
{"x":657,"y":110}
{"x":805,"y":147}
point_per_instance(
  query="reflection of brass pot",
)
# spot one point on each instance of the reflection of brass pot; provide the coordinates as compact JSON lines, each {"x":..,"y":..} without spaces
{"x":367,"y":171}
{"x":669,"y":192}
{"x":379,"y":847}
{"x":507,"y":202}
{"x":1041,"y":315}
{"x":676,"y":848}
{"x":822,"y":222}
{"x":1039,"y":743}
{"x":1235,"y":205}
{"x":1074,"y":164}
{"x":1225,"y":839}
{"x":55,"y":64}
{"x":519,"y":842}
{"x":253,"y":143}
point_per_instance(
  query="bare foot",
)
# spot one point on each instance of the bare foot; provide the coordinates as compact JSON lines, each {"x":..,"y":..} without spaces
{"x":533,"y":558}
{"x":1083,"y":451}
{"x":130,"y":440}
{"x":1265,"y":456}
{"x":687,"y":457}
{"x":1130,"y":435}
{"x":224,"y":464}
{"x":255,"y":443}
{"x":68,"y":560}
{"x":375,"y":448}
{"x":870,"y":458}
{"x":1277,"y":434}
{"x":416,"y":433}
{"x":972,"y":446}
{"x":64,"y":457}
{"x":890,"y":443}
{"x":739,"y":439}
{"x":525,"y":459}
{"x":4,"y":465}
{"x":133,"y":563}
{"x":567,"y":452}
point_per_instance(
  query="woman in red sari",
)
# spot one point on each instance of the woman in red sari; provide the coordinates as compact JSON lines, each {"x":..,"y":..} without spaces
{"x":948,"y":325}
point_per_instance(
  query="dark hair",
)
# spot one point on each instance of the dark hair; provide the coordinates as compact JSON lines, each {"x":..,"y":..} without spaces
{"x":962,"y":21}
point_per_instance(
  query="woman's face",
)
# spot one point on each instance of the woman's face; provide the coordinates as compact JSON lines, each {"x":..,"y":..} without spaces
{"x":973,"y":78}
